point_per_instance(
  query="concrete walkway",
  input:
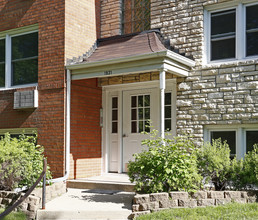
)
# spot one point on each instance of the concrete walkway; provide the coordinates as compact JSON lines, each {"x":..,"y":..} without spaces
{"x":89,"y":204}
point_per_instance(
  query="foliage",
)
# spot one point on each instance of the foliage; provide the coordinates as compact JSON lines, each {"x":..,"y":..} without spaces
{"x":214,"y":164}
{"x":230,"y":211}
{"x":245,"y":171}
{"x":14,"y":216}
{"x":21,"y":161}
{"x":166,"y":165}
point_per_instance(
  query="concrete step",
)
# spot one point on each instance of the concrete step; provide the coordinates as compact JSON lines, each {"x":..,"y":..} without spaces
{"x":89,"y":184}
{"x":109,"y":181}
{"x":93,"y":215}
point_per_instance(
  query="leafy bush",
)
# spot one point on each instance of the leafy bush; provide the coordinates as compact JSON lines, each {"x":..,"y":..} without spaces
{"x":166,"y":165}
{"x":214,"y":163}
{"x":21,"y":162}
{"x":245,"y":171}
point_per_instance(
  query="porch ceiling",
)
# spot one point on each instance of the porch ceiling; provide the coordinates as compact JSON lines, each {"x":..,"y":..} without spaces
{"x":130,"y":54}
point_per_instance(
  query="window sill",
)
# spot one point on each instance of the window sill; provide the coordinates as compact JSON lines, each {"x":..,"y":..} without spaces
{"x":19,"y":87}
{"x":230,"y":63}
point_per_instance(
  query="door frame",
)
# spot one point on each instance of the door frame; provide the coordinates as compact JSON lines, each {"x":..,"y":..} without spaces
{"x":107,"y":93}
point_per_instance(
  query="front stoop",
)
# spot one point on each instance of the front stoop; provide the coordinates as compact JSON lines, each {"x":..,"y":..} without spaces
{"x":90,"y":184}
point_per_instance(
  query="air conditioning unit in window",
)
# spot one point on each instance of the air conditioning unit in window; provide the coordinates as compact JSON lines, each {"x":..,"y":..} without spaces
{"x":25,"y":99}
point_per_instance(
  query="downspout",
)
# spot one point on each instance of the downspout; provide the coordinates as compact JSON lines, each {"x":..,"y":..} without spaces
{"x":67,"y":138}
{"x":162,"y":79}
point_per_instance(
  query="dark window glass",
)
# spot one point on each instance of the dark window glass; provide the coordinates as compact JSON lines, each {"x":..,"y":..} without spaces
{"x":252,"y":30}
{"x":114,"y":127}
{"x":251,"y":139}
{"x":135,"y":16}
{"x":25,"y":72}
{"x":134,"y":114}
{"x":168,"y":98}
{"x":134,"y":127}
{"x":2,"y":75}
{"x":114,"y":115}
{"x":25,"y":46}
{"x":147,"y":126}
{"x":223,"y":49}
{"x":133,"y":101}
{"x":114,"y":102}
{"x":140,"y":113}
{"x":167,"y":111}
{"x":2,"y":63}
{"x":25,"y":59}
{"x":140,"y":101}
{"x":141,"y":126}
{"x":147,"y":113}
{"x":223,"y":34}
{"x":2,"y":50}
{"x":168,"y":125}
{"x":146,"y":100}
{"x":229,"y":136}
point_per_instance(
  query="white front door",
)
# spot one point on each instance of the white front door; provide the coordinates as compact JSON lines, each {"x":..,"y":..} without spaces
{"x":128,"y":113}
{"x":139,"y":108}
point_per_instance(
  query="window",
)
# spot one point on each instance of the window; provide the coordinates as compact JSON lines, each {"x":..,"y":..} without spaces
{"x":135,"y":16}
{"x":114,"y":115}
{"x":18,"y":59}
{"x":232,"y":33}
{"x":240,"y":139}
{"x":168,"y":115}
{"x":228,"y":136}
{"x":140,"y":113}
{"x":16,"y":132}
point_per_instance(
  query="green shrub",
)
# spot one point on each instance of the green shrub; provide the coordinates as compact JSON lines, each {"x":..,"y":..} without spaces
{"x":214,"y":163}
{"x":21,"y":162}
{"x":166,"y":165}
{"x":245,"y":171}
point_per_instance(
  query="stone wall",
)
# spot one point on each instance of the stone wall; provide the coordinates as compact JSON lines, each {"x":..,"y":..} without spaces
{"x":147,"y":203}
{"x":34,"y":201}
{"x":224,"y":93}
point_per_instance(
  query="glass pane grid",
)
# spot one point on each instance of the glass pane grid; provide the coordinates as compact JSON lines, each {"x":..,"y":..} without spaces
{"x":140,"y":113}
{"x":114,"y":116}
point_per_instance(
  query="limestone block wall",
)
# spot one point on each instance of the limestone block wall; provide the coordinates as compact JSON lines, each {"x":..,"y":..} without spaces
{"x":214,"y":94}
{"x":147,"y":203}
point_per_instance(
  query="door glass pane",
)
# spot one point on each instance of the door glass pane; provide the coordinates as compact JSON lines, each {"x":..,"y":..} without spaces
{"x":147,"y":113}
{"x":133,"y":101}
{"x":114,"y":127}
{"x":229,"y":136}
{"x":134,"y":114}
{"x":140,"y":113}
{"x":251,"y":139}
{"x":167,"y":111}
{"x":147,"y":126}
{"x":134,"y":127}
{"x":114,"y":117}
{"x":140,"y":101}
{"x":167,"y":125}
{"x":168,"y":98}
{"x":146,"y":100}
{"x":114,"y":102}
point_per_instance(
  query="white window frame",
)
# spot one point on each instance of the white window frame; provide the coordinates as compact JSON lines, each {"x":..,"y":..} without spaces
{"x":240,"y":47}
{"x":240,"y":135}
{"x":7,"y":35}
{"x":29,"y":131}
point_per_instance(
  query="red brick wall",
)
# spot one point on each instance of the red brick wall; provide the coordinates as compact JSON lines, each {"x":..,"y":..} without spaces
{"x":85,"y":129}
{"x":49,"y":117}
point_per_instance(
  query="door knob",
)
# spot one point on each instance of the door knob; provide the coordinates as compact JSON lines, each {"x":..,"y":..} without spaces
{"x":124,"y":135}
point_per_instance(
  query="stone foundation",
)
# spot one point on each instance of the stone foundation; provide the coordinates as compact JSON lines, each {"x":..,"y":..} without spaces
{"x":147,"y":203}
{"x":31,"y":204}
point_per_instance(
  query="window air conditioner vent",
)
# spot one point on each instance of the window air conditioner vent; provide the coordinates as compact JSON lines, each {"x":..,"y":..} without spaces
{"x":25,"y":99}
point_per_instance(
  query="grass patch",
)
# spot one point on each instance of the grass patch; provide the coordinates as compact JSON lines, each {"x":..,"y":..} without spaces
{"x":14,"y":216}
{"x":230,"y":211}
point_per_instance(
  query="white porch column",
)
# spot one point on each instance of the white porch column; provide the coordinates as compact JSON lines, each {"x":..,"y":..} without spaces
{"x":162,"y":79}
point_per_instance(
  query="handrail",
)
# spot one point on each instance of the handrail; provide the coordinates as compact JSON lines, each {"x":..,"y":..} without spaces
{"x":15,"y":205}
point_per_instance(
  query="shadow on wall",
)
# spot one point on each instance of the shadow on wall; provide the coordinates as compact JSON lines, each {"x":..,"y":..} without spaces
{"x":11,"y":14}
